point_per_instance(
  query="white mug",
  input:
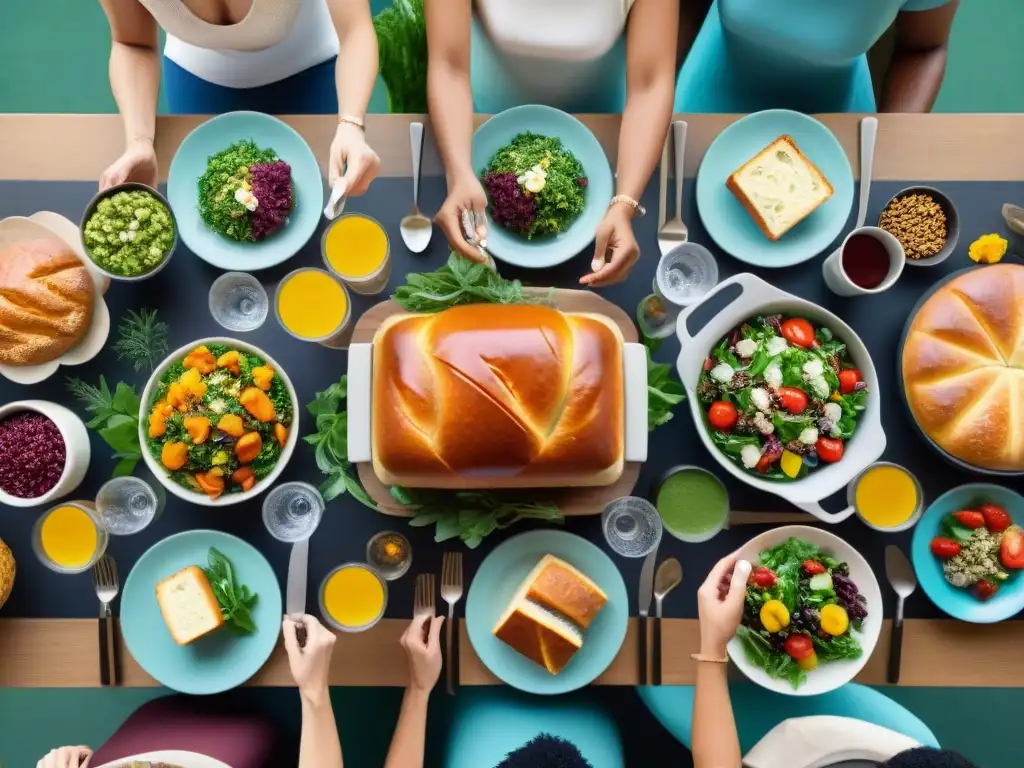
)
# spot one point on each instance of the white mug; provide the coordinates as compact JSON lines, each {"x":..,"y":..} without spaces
{"x":840,"y":283}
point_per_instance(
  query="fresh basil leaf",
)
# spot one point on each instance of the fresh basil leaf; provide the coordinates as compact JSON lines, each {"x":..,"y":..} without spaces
{"x":358,"y":492}
{"x":334,"y":486}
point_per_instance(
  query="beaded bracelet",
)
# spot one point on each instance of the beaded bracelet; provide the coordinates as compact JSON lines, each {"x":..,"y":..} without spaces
{"x":708,"y":659}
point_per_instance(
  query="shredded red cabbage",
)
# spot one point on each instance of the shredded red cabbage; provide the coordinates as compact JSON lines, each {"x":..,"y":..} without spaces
{"x":272,"y":187}
{"x":510,"y":206}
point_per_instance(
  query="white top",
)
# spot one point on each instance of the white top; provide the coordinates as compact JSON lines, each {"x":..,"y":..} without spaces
{"x":170,"y":757}
{"x":819,"y":742}
{"x":275,"y":40}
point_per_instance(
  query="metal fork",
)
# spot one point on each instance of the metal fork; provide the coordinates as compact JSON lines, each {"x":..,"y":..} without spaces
{"x":451,"y":593}
{"x":674,"y":231}
{"x":424,"y":602}
{"x":104,"y":579}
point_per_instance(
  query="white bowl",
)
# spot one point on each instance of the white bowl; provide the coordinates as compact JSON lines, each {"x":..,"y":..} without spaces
{"x":756,"y":297}
{"x":160,"y":471}
{"x":77,"y":450}
{"x":830,"y":674}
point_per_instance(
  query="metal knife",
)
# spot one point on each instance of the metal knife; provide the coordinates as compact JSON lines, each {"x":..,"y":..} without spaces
{"x":295,"y":591}
{"x":644,"y":603}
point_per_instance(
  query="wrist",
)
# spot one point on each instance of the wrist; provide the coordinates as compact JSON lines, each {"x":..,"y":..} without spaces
{"x":139,"y":140}
{"x":315,"y":697}
{"x":713,"y":647}
{"x":417,"y":694}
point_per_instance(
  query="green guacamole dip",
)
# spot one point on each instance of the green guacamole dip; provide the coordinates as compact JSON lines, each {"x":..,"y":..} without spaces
{"x":129,"y":234}
{"x":693,"y":504}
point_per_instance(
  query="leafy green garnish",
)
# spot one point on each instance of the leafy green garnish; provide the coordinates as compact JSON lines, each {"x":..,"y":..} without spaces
{"x":459,"y":282}
{"x":402,"y":52}
{"x":470,"y":515}
{"x":759,"y":652}
{"x":115,"y":416}
{"x":142,"y":339}
{"x":663,"y":393}
{"x":952,"y":528}
{"x":225,"y":173}
{"x":236,"y":600}
{"x":331,"y":442}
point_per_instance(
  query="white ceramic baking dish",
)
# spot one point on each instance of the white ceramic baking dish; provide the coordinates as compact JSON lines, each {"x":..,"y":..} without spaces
{"x":360,"y":377}
{"x":757,"y":297}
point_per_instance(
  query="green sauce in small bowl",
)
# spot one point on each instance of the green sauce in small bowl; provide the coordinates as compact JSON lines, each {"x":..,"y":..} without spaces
{"x":692,"y":502}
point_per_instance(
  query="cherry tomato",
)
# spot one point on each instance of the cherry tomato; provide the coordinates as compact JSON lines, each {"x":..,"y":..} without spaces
{"x":1011,"y":549}
{"x":798,"y":332}
{"x":984,"y":589}
{"x":722,"y":415}
{"x":709,"y":364}
{"x":799,"y":646}
{"x":763,"y":577}
{"x":970,"y":518}
{"x":997,"y":519}
{"x":944,"y":547}
{"x":793,"y":400}
{"x":813,"y":567}
{"x":829,"y":449}
{"x":848,"y":378}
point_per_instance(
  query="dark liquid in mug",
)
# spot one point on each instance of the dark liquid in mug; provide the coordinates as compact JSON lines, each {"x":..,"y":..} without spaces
{"x":865,"y":261}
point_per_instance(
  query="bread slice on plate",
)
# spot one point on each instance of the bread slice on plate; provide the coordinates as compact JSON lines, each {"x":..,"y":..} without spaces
{"x":188,"y":605}
{"x":779,"y":187}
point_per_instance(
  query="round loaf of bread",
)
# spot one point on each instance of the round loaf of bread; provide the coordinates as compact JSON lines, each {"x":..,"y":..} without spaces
{"x":46,"y":301}
{"x":963,"y":367}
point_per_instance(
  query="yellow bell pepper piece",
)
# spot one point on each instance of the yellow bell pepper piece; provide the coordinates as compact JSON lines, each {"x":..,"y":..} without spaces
{"x":791,"y":463}
{"x":774,"y":616}
{"x":835,"y":620}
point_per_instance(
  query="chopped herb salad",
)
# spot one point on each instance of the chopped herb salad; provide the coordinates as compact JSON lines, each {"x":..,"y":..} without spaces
{"x":801,"y":610}
{"x":780,"y":396}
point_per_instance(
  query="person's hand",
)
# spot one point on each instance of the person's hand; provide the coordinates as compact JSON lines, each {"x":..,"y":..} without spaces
{"x":311,"y":664}
{"x":464,"y":194}
{"x":137,"y":163}
{"x":720,"y":604}
{"x":422,"y":644}
{"x":615,"y":248}
{"x":66,"y":757}
{"x":352,"y":160}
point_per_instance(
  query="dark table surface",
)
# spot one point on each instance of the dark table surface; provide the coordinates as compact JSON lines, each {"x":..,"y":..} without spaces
{"x":179,"y":293}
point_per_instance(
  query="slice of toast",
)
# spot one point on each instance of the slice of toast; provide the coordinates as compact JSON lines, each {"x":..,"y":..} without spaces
{"x":188,"y":605}
{"x":779,"y":187}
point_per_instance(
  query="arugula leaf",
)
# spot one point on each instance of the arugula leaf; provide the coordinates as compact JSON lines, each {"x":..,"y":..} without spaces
{"x":236,"y":600}
{"x":115,"y":417}
{"x":663,"y":393}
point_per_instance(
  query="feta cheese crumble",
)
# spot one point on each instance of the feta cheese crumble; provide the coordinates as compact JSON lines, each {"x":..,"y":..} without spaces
{"x":776,"y":346}
{"x":750,"y":455}
{"x":809,"y":436}
{"x":722,"y":372}
{"x":746,"y":347}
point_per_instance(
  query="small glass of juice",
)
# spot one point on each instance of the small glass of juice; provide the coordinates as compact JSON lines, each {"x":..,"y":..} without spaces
{"x":353,"y":597}
{"x":313,"y":305}
{"x":887,"y":497}
{"x":692,"y":502}
{"x":70,"y":538}
{"x":357,"y":249}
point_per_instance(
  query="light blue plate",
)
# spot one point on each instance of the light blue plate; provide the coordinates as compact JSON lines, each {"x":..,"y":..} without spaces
{"x":960,"y":603}
{"x":728,"y":222}
{"x":222,"y":660}
{"x":576,"y":138}
{"x":497,"y":580}
{"x":189,"y":164}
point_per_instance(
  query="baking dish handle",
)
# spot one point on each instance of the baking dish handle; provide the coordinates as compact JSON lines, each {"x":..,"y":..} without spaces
{"x":753,"y":291}
{"x":822,"y":514}
{"x":360,"y":374}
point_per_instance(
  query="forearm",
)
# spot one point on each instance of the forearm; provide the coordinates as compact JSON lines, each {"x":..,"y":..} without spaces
{"x":356,"y":70}
{"x":407,"y":745}
{"x":645,"y":123}
{"x":135,"y":81}
{"x":319,"y":746}
{"x":716,"y":743}
{"x":913,"y":80}
{"x":450,"y":100}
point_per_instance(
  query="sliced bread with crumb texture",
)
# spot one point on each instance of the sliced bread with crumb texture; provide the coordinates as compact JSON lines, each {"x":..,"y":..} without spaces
{"x":188,"y":605}
{"x":779,"y":187}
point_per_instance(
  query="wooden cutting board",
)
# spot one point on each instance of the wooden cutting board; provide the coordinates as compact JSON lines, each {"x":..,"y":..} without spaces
{"x":572,"y":501}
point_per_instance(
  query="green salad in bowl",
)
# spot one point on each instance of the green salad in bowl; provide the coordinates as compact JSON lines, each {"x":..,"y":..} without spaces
{"x":780,"y":396}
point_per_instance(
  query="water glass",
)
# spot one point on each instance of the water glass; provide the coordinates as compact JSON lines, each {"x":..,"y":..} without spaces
{"x":292,"y":511}
{"x":390,"y":554}
{"x":126,"y":505}
{"x":685,"y":274}
{"x":239,"y":302}
{"x":631,"y":526}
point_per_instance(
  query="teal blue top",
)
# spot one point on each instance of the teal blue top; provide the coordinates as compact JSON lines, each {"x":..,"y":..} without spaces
{"x":806,"y":55}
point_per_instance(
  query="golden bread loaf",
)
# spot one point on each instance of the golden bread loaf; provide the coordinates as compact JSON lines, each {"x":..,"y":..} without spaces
{"x":498,"y":396}
{"x":46,"y":301}
{"x":963,"y":367}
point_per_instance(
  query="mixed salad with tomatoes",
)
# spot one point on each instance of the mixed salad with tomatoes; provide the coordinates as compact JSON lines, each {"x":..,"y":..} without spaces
{"x":801,"y":610}
{"x":979,"y":549}
{"x":781,"y":396}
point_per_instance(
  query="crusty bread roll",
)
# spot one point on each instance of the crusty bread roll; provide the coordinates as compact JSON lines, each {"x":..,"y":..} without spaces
{"x":963,"y":367}
{"x":497,"y":396}
{"x":46,"y":301}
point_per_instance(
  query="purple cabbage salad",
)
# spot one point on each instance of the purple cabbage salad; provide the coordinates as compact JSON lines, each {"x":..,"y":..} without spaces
{"x":272,"y":187}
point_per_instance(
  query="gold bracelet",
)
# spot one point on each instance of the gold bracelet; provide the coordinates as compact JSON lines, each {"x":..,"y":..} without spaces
{"x":708,"y":659}
{"x":353,"y":120}
{"x":638,"y":210}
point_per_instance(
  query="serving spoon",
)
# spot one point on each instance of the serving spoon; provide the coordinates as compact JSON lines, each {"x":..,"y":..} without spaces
{"x":666,"y":578}
{"x":416,"y":228}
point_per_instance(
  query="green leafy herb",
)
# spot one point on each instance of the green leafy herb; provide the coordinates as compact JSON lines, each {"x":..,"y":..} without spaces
{"x":663,"y":393}
{"x":402,"y":46}
{"x":236,"y":600}
{"x":470,"y":515}
{"x":331,"y":442}
{"x":142,"y":339}
{"x":459,"y":282}
{"x":115,"y":416}
{"x":225,"y":173}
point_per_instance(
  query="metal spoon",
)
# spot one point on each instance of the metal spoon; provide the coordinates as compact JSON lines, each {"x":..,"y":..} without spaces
{"x":903,"y":581}
{"x":416,"y":228}
{"x":667,"y":578}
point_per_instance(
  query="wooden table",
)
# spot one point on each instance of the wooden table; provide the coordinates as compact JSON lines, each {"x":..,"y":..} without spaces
{"x":937,"y":652}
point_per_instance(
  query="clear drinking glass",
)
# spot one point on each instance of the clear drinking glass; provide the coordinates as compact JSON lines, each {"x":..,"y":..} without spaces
{"x":685,"y":274}
{"x":292,"y":511}
{"x":126,"y":505}
{"x":238,"y":301}
{"x":390,"y":554}
{"x":632,"y":526}
{"x":63,"y":536}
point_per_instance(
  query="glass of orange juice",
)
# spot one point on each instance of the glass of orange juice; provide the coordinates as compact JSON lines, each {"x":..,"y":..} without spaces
{"x":887,"y":497}
{"x":70,"y":537}
{"x":313,"y":305}
{"x":357,"y":249}
{"x":353,"y":597}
